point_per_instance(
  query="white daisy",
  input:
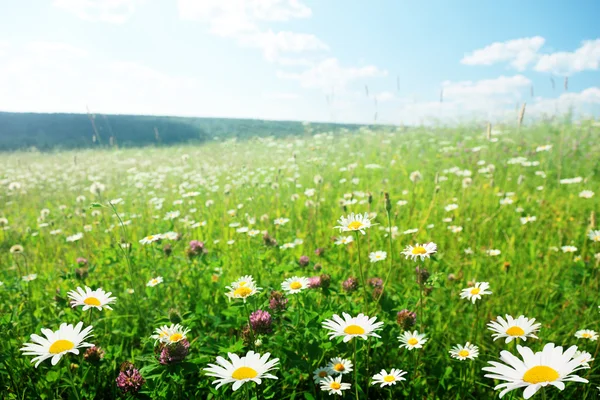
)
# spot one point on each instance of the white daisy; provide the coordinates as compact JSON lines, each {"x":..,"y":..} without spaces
{"x":527,"y":219}
{"x":586,"y":357}
{"x":251,"y":367}
{"x":170,"y":334}
{"x":569,"y":249}
{"x":551,"y":366}
{"x":377,"y":256}
{"x":424,"y":251}
{"x":587,"y":334}
{"x":412,"y":340}
{"x":281,"y":221}
{"x":344,"y":240}
{"x":339,"y":366}
{"x":493,"y":252}
{"x":354,"y":222}
{"x":586,"y":194}
{"x":319,"y":374}
{"x":246,"y":280}
{"x":154,"y":281}
{"x":29,"y":278}
{"x":151,"y":239}
{"x":91,"y":298}
{"x":520,"y":328}
{"x":75,"y":237}
{"x":385,"y":379}
{"x":474,"y":293}
{"x":594,"y":235}
{"x":350,"y":327}
{"x":67,"y":339}
{"x":238,"y":291}
{"x":469,"y":351}
{"x":334,"y":386}
{"x":295,"y":284}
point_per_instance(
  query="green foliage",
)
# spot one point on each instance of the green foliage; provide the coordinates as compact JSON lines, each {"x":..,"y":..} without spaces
{"x":209,"y":192}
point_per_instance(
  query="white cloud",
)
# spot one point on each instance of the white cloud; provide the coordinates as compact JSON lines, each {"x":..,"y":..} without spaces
{"x":383,"y":97}
{"x":578,"y":101}
{"x":586,"y":57}
{"x":519,"y":52}
{"x":501,"y":86}
{"x":282,"y":96}
{"x":330,"y":74}
{"x":274,"y":43}
{"x":241,"y":19}
{"x":112,"y":11}
{"x":233,"y":17}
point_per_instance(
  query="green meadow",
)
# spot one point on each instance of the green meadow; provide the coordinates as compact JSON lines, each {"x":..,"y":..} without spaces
{"x":171,"y":231}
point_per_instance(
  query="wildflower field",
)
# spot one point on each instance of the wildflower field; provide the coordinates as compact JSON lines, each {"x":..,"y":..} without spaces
{"x":422,"y":263}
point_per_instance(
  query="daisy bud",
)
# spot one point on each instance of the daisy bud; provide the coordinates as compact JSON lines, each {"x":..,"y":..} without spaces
{"x":506,"y":266}
{"x":314,"y":282}
{"x":174,"y":316}
{"x":376,"y":282}
{"x":167,"y":249}
{"x":269,"y":241}
{"x":81,"y":273}
{"x":93,"y":355}
{"x":406,"y":319}
{"x":370,"y":198}
{"x":451,"y":277}
{"x":174,"y":352}
{"x":320,"y":252}
{"x":304,"y":261}
{"x":350,"y":284}
{"x":129,"y":379}
{"x":388,"y":203}
{"x":82,"y":261}
{"x":325,"y":280}
{"x":261,"y":322}
{"x":422,"y":275}
{"x":277,"y":302}
{"x":317,"y":267}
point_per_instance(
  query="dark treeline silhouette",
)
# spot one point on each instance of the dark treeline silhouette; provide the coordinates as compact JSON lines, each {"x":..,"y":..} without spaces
{"x":70,"y":131}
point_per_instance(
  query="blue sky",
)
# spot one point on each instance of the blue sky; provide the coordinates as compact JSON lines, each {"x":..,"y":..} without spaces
{"x":300,"y":60}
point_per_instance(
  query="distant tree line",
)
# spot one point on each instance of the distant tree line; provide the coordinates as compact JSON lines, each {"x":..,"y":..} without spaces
{"x":70,"y":131}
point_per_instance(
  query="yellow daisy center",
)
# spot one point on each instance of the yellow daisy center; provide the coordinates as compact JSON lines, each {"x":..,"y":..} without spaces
{"x":244,"y":373}
{"x":61,"y":345}
{"x":154,"y":281}
{"x":355,"y":225}
{"x":242,"y":291}
{"x":335,"y":385}
{"x":389,"y":378}
{"x":354,"y":330}
{"x":149,"y":237}
{"x":339,"y":367}
{"x":92,"y":301}
{"x":597,"y":238}
{"x":322,"y":374}
{"x":540,"y":373}
{"x":586,"y":335}
{"x":412,"y":341}
{"x":515,"y":331}
{"x":295,"y":285}
{"x":175,"y":337}
{"x":475,"y":291}
{"x":419,"y":250}
{"x":242,"y":283}
{"x":464,"y":353}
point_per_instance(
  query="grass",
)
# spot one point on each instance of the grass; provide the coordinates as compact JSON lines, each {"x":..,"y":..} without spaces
{"x":264,"y":179}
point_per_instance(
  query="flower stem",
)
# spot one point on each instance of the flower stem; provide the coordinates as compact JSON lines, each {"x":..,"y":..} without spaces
{"x":72,"y":382}
{"x":362,"y":276}
{"x":355,"y":371}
